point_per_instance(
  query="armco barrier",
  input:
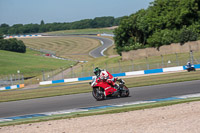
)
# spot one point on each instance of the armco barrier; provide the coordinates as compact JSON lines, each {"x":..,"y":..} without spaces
{"x":12,"y":87}
{"x":152,"y":71}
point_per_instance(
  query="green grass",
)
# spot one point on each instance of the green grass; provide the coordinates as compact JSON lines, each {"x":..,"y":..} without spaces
{"x":67,"y":89}
{"x":82,"y":31}
{"x":111,"y":51}
{"x":30,"y":63}
{"x":76,"y":48}
{"x":162,"y":79}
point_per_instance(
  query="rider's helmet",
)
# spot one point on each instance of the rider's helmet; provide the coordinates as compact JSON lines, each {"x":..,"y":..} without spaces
{"x":97,"y":71}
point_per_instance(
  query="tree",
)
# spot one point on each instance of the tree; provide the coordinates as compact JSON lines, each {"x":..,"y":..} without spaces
{"x":163,"y":37}
{"x":12,"y":45}
{"x":98,"y":22}
{"x":1,"y":36}
{"x":42,"y":22}
{"x":163,"y":22}
{"x":188,"y":34}
{"x":4,"y":28}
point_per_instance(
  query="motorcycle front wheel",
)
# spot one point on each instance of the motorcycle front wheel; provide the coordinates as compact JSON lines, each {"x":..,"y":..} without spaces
{"x":98,"y":93}
{"x":125,"y":92}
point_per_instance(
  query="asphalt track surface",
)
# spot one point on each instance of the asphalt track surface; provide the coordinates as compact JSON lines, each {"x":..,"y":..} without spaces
{"x":98,"y":52}
{"x":58,"y":103}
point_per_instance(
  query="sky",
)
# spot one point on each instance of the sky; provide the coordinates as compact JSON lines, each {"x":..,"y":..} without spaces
{"x":33,"y":11}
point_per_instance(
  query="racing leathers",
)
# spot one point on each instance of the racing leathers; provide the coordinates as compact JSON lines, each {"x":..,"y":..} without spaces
{"x":105,"y":76}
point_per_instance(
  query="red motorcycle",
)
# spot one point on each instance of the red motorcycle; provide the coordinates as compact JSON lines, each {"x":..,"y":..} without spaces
{"x":101,"y":90}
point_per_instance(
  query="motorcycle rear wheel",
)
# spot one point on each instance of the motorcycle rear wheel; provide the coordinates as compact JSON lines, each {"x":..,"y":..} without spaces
{"x":98,"y":93}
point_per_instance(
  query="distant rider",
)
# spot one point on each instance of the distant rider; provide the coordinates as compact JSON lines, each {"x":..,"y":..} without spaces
{"x":189,"y":65}
{"x":105,"y":76}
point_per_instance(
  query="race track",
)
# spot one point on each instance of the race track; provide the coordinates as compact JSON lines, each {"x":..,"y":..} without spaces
{"x":98,"y":52}
{"x":23,"y":107}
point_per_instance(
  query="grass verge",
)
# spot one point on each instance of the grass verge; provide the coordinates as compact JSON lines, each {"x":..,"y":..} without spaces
{"x":76,"y":48}
{"x":116,"y":64}
{"x":67,"y":89}
{"x":30,"y":63}
{"x":82,"y":31}
{"x":100,"y":112}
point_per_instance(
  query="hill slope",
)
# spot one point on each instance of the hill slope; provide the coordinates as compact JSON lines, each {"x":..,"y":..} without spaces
{"x":30,"y":64}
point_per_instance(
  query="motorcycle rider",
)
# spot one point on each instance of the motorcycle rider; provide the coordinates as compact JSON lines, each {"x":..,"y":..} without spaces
{"x":189,"y":65}
{"x":105,"y":76}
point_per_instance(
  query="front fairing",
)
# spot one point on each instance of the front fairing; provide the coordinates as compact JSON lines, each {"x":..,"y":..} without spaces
{"x":107,"y":87}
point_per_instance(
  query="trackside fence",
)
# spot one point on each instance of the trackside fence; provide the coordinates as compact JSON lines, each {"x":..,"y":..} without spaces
{"x":120,"y":67}
{"x":10,"y":80}
{"x":82,"y":70}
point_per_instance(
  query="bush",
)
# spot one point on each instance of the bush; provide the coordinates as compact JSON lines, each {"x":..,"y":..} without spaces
{"x":12,"y":45}
{"x":129,"y":47}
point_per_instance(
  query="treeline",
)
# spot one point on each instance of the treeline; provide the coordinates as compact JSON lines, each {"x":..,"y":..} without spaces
{"x":98,"y":22}
{"x":162,"y":23}
{"x":12,"y":45}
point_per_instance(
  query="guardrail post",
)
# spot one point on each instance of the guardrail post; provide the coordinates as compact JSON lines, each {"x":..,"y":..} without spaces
{"x":191,"y":57}
{"x":43,"y":76}
{"x":119,"y":66}
{"x":62,"y":72}
{"x":132,"y":65}
{"x":147,"y":62}
{"x":15,"y":79}
{"x":22,"y":79}
{"x":162,"y":61}
{"x":81,"y":70}
{"x":11,"y":80}
{"x":177,"y":61}
{"x":71,"y":71}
